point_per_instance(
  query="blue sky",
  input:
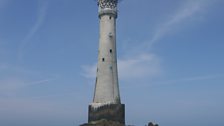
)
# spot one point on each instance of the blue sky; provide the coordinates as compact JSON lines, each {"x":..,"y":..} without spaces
{"x":170,"y":60}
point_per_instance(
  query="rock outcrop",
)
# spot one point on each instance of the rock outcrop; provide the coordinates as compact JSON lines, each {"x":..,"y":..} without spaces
{"x":103,"y":123}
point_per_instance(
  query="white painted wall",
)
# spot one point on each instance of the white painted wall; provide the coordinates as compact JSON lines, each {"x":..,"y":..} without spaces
{"x":106,"y":88}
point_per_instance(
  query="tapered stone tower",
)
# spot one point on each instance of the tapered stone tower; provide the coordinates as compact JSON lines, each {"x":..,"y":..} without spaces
{"x":106,"y":102}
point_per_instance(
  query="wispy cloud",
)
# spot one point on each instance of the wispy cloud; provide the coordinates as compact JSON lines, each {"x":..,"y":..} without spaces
{"x":12,"y":85}
{"x":43,"y":81}
{"x":143,"y":65}
{"x":39,"y":109}
{"x":89,"y":71}
{"x":40,"y":20}
{"x":189,"y":10}
{"x":138,"y":67}
{"x":194,"y":78}
{"x":205,"y":77}
{"x":147,"y":64}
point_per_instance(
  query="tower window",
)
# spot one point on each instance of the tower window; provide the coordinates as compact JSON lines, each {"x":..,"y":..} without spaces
{"x":110,"y":17}
{"x":110,"y":35}
{"x":111,"y":51}
{"x":103,"y":59}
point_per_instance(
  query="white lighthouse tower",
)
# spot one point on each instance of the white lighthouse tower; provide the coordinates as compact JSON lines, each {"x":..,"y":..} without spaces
{"x":106,"y":102}
{"x":106,"y":90}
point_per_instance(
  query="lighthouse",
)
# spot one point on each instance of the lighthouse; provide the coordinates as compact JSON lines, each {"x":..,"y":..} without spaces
{"x":106,"y":103}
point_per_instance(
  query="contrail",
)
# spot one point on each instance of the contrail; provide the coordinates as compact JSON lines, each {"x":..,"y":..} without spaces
{"x":40,"y":19}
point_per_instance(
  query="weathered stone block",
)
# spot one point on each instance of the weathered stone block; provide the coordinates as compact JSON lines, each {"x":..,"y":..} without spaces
{"x":109,"y":112}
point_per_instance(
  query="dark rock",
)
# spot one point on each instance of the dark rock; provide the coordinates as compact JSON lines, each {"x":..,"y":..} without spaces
{"x":151,"y":124}
{"x":103,"y":123}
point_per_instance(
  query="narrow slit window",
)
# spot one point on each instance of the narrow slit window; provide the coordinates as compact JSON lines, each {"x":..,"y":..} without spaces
{"x":110,"y":17}
{"x":111,"y":51}
{"x":110,"y":35}
{"x":103,"y":59}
